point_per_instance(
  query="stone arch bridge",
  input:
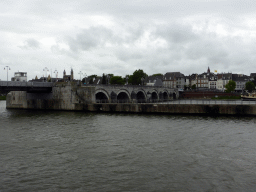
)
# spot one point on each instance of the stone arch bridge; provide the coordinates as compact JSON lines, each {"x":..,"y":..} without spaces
{"x":133,"y":94}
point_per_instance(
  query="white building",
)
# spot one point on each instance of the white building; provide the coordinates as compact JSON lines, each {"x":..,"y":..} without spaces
{"x":20,"y":76}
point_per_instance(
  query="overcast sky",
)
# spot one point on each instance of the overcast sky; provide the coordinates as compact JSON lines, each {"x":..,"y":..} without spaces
{"x":100,"y":36}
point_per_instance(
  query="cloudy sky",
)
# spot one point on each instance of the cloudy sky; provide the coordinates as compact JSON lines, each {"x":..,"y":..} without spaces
{"x":100,"y":36}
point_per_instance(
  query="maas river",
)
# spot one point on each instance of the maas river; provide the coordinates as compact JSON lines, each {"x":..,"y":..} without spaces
{"x":79,"y":151}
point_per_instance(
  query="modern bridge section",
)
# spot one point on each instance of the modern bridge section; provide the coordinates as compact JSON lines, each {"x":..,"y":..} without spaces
{"x":133,"y":94}
{"x":30,"y":87}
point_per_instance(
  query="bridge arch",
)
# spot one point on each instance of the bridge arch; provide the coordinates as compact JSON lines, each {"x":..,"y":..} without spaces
{"x":141,"y":96}
{"x":154,"y":96}
{"x":102,"y":96}
{"x":174,"y":95}
{"x":165,"y":96}
{"x":123,"y":96}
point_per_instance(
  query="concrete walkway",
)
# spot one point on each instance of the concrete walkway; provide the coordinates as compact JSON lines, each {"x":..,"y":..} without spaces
{"x":210,"y":102}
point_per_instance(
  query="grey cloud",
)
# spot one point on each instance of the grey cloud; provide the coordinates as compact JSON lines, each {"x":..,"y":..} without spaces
{"x":127,"y":54}
{"x":30,"y":44}
{"x":90,"y":38}
{"x":176,"y":33}
{"x":168,"y":9}
{"x":173,"y":22}
{"x":99,"y":37}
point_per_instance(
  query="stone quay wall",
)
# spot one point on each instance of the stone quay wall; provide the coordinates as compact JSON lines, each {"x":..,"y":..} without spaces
{"x":175,"y":109}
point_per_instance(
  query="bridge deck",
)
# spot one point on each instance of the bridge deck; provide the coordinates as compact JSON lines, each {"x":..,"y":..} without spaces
{"x":26,"y":86}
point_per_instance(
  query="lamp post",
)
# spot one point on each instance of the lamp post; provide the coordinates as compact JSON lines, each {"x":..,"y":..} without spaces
{"x":56,"y":74}
{"x":45,"y":69}
{"x":85,"y":77}
{"x":7,"y":69}
{"x":127,"y":78}
{"x":80,"y":73}
{"x":142,"y":81}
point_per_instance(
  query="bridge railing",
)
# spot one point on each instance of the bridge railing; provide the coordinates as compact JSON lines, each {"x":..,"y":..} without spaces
{"x":131,"y":101}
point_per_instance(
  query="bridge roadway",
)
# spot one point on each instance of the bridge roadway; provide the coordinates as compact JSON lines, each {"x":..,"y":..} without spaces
{"x":30,"y":87}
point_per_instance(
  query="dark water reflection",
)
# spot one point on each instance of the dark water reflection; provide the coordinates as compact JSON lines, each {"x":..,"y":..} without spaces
{"x":76,"y":151}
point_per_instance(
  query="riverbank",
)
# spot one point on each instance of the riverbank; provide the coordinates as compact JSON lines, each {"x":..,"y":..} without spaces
{"x":67,"y":100}
{"x":226,"y":97}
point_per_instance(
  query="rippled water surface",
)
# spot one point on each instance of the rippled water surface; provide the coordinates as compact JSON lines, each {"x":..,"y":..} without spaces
{"x":77,"y":151}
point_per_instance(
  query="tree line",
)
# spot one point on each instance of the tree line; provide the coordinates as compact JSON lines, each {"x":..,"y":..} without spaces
{"x":249,"y":86}
{"x":135,"y":79}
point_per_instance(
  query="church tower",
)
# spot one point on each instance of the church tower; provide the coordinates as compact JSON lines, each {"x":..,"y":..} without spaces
{"x":208,"y":70}
{"x":72,"y":74}
{"x":64,"y":73}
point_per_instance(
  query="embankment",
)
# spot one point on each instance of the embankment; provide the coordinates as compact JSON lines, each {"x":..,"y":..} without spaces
{"x":175,"y":108}
{"x":83,"y":99}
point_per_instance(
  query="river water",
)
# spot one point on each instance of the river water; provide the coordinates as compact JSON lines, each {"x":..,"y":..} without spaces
{"x":78,"y":151}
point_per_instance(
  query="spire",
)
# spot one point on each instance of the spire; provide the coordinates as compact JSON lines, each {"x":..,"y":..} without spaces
{"x":72,"y":74}
{"x":208,"y":70}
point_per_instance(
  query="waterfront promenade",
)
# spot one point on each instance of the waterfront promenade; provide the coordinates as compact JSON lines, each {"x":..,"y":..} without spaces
{"x":210,"y":102}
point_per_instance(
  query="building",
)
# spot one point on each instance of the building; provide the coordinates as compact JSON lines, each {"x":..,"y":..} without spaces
{"x":154,"y":80}
{"x":223,"y":79}
{"x":201,"y":81}
{"x":68,"y":77}
{"x":240,"y":80}
{"x":174,"y":80}
{"x":20,"y":76}
{"x":206,"y":80}
{"x":212,"y":81}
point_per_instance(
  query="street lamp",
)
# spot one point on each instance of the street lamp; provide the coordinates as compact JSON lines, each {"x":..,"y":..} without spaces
{"x":85,"y":77}
{"x":56,"y":74}
{"x":108,"y":77}
{"x":127,"y":78}
{"x":142,"y":79}
{"x":7,"y":69}
{"x":45,"y":69}
{"x":80,"y":73}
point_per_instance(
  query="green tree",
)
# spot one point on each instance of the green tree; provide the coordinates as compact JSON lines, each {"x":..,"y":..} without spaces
{"x":158,"y":74}
{"x":135,"y":79}
{"x":250,"y":86}
{"x":193,"y":86}
{"x":117,"y":80}
{"x":230,"y":86}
